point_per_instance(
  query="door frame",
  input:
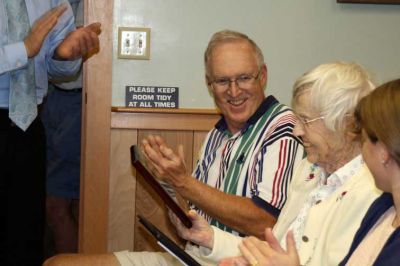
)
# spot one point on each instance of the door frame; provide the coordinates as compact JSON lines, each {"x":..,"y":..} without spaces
{"x":96,"y":132}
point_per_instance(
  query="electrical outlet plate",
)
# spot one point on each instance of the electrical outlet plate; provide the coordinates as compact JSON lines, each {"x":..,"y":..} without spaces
{"x":134,"y":43}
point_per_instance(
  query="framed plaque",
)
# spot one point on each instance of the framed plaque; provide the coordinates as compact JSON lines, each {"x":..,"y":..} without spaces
{"x":379,"y":2}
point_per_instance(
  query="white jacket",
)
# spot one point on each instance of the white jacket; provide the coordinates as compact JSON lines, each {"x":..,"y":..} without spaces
{"x":331,"y":224}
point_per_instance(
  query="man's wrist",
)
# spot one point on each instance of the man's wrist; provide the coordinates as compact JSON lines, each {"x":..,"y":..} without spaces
{"x":182,"y":186}
{"x":28,"y":51}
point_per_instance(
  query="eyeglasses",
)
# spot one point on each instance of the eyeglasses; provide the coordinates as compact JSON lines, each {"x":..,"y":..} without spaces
{"x":243,"y":81}
{"x":306,"y":122}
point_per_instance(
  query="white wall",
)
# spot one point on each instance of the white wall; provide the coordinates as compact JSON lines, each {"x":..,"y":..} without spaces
{"x":295,"y":35}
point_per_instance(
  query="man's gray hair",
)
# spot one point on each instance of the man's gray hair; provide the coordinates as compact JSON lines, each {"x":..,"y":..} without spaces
{"x":229,"y":36}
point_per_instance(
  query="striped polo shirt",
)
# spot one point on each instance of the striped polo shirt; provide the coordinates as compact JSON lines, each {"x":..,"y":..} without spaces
{"x":256,"y":162}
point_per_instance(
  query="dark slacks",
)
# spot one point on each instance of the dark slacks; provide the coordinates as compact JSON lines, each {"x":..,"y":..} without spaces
{"x":22,"y":192}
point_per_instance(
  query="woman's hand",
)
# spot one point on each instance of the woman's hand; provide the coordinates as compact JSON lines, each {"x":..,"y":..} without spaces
{"x":200,"y":233}
{"x":265,"y":253}
{"x":234,"y":261}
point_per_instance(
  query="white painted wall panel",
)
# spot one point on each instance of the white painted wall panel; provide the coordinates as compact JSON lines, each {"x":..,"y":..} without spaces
{"x":295,"y":35}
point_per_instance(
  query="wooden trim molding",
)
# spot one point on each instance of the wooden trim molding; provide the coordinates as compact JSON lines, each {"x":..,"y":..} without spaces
{"x":179,"y":120}
{"x":120,"y":109}
{"x":96,"y":133}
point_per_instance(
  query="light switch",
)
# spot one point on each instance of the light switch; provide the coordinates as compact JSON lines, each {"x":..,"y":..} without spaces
{"x":134,"y":43}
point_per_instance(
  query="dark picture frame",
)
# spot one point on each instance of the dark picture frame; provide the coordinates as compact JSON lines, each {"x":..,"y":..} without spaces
{"x":378,"y":2}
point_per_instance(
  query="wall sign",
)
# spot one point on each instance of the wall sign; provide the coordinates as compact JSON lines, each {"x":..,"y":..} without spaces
{"x":152,"y":97}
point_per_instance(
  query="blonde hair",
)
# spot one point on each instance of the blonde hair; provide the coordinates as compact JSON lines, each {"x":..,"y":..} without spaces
{"x":229,"y":36}
{"x":334,"y":91}
{"x":379,"y":115}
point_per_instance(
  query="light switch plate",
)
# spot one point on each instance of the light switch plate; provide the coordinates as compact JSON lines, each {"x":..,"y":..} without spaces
{"x":134,"y":43}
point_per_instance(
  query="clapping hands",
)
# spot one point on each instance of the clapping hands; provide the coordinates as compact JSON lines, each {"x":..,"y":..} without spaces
{"x":265,"y":253}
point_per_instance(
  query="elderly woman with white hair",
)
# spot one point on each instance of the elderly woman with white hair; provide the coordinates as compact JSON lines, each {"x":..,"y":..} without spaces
{"x":331,"y":190}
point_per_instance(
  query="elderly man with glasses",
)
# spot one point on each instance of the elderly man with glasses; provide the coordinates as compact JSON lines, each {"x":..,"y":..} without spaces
{"x":246,"y":162}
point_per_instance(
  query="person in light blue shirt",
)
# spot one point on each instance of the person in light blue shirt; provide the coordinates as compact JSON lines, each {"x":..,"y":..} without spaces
{"x":56,"y":48}
{"x":61,"y":116}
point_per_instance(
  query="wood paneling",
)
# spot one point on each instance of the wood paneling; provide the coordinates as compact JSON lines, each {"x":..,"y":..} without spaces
{"x":163,"y":121}
{"x":122,"y":191}
{"x":148,"y":203}
{"x":129,"y":193}
{"x":96,"y":119}
{"x":120,"y":109}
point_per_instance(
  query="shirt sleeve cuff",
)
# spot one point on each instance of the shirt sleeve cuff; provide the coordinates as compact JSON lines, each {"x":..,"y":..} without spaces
{"x":225,"y":245}
{"x":16,"y":54}
{"x":266,"y":206}
{"x":64,"y":68}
